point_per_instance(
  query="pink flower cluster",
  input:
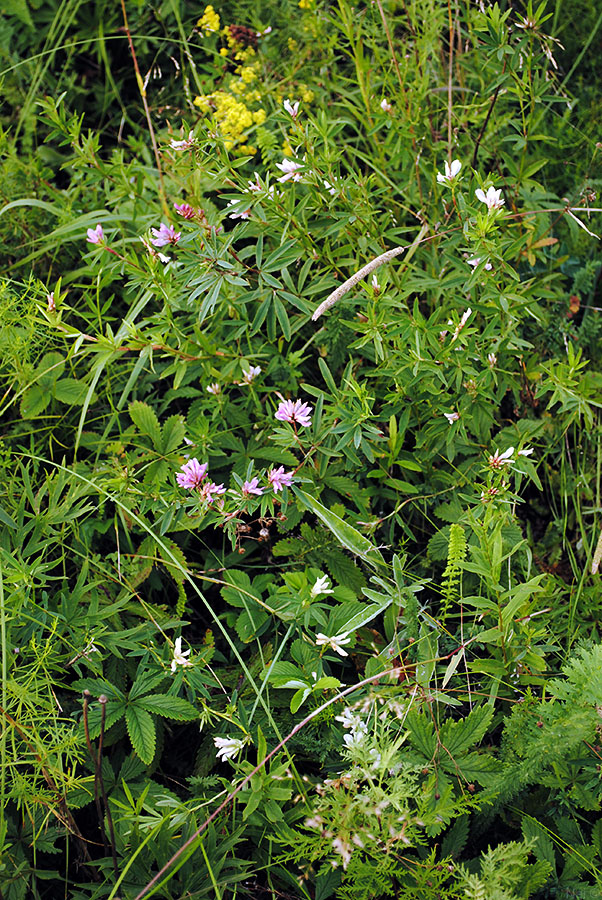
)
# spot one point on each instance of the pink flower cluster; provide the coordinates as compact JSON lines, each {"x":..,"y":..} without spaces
{"x":277,"y":480}
{"x":165,"y":234}
{"x":192,"y":475}
{"x":295,"y":412}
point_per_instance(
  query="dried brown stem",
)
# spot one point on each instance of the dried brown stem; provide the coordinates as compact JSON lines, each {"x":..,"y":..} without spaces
{"x":87,"y":696}
{"x":103,"y":714}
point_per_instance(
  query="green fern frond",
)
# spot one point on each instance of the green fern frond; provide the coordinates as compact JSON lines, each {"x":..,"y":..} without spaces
{"x":456,"y":553}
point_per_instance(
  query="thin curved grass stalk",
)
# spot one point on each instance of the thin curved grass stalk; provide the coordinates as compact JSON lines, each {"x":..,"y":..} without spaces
{"x":370,"y":267}
{"x":355,"y":279}
{"x":193,"y":837}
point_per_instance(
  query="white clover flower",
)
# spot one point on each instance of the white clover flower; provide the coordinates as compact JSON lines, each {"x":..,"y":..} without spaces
{"x":493,"y":199}
{"x":385,"y":105}
{"x":335,"y":643}
{"x":179,"y":657}
{"x":501,"y":459}
{"x":214,"y":388}
{"x":249,"y":376}
{"x":492,"y":359}
{"x":228,"y":748}
{"x":475,"y":260}
{"x":240,"y":214}
{"x":465,"y":317}
{"x":451,"y":172}
{"x":183,"y":145}
{"x":291,"y":108}
{"x":291,"y":169}
{"x":322,"y":586}
{"x":452,"y":417}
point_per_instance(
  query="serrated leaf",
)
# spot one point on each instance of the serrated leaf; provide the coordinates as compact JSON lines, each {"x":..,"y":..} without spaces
{"x":455,"y":840}
{"x":480,"y":767}
{"x":240,"y":591}
{"x":249,"y":622}
{"x":34,"y":401}
{"x":273,"y":454}
{"x":175,"y":562}
{"x":282,"y":671}
{"x":145,"y":419}
{"x":71,"y":391}
{"x":422,"y":733}
{"x":168,"y":707}
{"x":459,"y":737}
{"x":141,"y":730}
{"x":343,"y":570}
{"x":174,"y":431}
{"x":145,"y":683}
{"x":542,"y":846}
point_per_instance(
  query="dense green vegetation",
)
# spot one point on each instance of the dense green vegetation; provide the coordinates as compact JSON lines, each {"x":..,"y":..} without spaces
{"x":300,"y":507}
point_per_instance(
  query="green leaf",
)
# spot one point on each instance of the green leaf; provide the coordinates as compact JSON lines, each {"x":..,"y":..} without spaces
{"x":71,"y":391}
{"x":34,"y":401}
{"x":249,"y":622}
{"x":168,"y":707}
{"x":141,"y":729}
{"x":345,"y":533}
{"x":173,"y":434}
{"x":282,"y":671}
{"x":422,"y":733}
{"x":145,"y":683}
{"x":299,"y":698}
{"x":458,"y":737}
{"x":6,"y":519}
{"x":19,"y":9}
{"x":455,"y":840}
{"x":146,"y":421}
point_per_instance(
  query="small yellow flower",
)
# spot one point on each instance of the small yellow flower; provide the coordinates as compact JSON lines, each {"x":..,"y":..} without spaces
{"x":306,"y":4}
{"x":292,"y":44}
{"x":209,"y":21}
{"x":259,"y":117}
{"x":307,"y":96}
{"x":223,"y":51}
{"x":248,"y":74}
{"x":203,"y":103}
{"x":287,"y":149}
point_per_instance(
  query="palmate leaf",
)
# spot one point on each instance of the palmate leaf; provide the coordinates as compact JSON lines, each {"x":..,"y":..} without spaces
{"x":173,"y":434}
{"x":458,"y":737}
{"x":168,"y":707}
{"x":145,"y":419}
{"x":142,"y":732}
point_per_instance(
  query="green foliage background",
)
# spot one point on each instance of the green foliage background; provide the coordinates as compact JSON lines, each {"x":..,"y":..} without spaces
{"x":383,"y":680}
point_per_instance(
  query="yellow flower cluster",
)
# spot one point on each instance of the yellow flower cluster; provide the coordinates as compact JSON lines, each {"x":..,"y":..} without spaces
{"x":231,"y":105}
{"x":306,"y":4}
{"x":235,"y":49}
{"x":232,"y":116}
{"x":209,"y":21}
